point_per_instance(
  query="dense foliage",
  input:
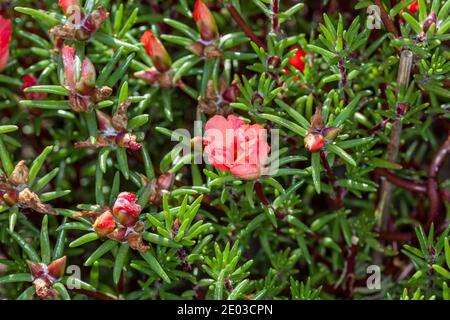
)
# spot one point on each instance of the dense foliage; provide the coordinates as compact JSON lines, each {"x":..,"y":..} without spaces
{"x":97,"y":200}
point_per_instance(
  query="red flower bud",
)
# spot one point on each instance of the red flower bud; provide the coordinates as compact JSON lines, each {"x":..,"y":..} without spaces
{"x":5,"y":40}
{"x":68,"y":59}
{"x":155,"y":49}
{"x":104,"y":224}
{"x":314,"y":142}
{"x":87,"y":77}
{"x":413,"y":7}
{"x":67,"y":4}
{"x":57,"y":268}
{"x":126,"y":210}
{"x":206,"y":24}
{"x":297,"y":60}
{"x":30,"y":81}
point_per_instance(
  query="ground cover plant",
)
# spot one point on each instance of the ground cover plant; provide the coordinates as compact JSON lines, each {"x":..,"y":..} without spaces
{"x":247,"y":150}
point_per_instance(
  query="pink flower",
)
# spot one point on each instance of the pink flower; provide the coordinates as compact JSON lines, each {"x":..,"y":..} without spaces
{"x":232,"y":145}
{"x":206,"y":24}
{"x":104,"y":224}
{"x":155,"y":49}
{"x":66,"y":4}
{"x":126,"y":210}
{"x":5,"y":40}
{"x":30,"y":81}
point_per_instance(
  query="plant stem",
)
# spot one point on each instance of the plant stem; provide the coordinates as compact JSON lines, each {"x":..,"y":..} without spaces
{"x":403,"y":76}
{"x":275,"y":20}
{"x":400,"y":182}
{"x":433,"y":187}
{"x":243,"y":25}
{"x":386,"y":20}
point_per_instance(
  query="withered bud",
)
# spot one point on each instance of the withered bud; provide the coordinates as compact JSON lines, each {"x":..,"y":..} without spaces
{"x":317,"y":120}
{"x":136,"y":242}
{"x":429,"y":21}
{"x":331,"y":133}
{"x":274,"y":61}
{"x":19,"y":176}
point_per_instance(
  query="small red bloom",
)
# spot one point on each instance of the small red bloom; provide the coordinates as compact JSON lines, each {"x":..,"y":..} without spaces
{"x":155,"y":49}
{"x":126,"y":210}
{"x":5,"y":40}
{"x":237,"y":147}
{"x":206,"y":24}
{"x":30,"y":81}
{"x":413,"y":7}
{"x":104,"y":224}
{"x":314,"y":142}
{"x":66,"y":4}
{"x":297,"y":60}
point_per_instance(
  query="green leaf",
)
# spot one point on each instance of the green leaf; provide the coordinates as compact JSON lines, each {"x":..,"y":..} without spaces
{"x":37,"y":164}
{"x":105,"y":247}
{"x":8,"y":128}
{"x":84,"y":239}
{"x":155,"y":266}
{"x":45,"y":241}
{"x":341,"y":153}
{"x":17,"y":277}
{"x":315,"y":169}
{"x":29,"y":250}
{"x":120,"y":262}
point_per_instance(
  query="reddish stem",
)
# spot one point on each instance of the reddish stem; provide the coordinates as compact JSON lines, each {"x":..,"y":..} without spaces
{"x":433,"y":187}
{"x":243,"y":25}
{"x":400,"y":182}
{"x":386,"y":20}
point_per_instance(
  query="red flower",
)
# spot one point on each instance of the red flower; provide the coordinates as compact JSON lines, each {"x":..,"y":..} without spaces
{"x":414,"y":7}
{"x":104,"y":224}
{"x":206,"y":24}
{"x":66,"y":4}
{"x":297,"y":60}
{"x":314,"y":142}
{"x":5,"y":40}
{"x":155,"y":49}
{"x":44,"y":276}
{"x":30,"y":81}
{"x":126,"y":210}
{"x":237,"y":147}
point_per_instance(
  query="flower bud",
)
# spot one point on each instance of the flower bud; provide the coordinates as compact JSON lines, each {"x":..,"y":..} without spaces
{"x":155,"y":49}
{"x":429,"y":21}
{"x":19,"y":176}
{"x":206,"y":24}
{"x":104,"y":224}
{"x":231,"y":93}
{"x":126,"y":210}
{"x":87,"y":77}
{"x":30,"y":81}
{"x":103,"y":120}
{"x":68,"y":59}
{"x":331,"y":133}
{"x":92,"y":23}
{"x":166,"y":180}
{"x":5,"y":40}
{"x":57,"y":268}
{"x":9,"y":197}
{"x":314,"y":142}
